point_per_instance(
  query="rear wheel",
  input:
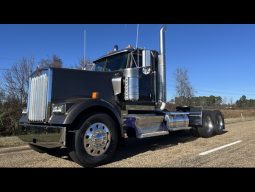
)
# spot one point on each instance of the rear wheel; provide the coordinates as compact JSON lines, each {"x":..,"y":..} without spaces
{"x":95,"y":141}
{"x":207,"y":128}
{"x":219,"y":124}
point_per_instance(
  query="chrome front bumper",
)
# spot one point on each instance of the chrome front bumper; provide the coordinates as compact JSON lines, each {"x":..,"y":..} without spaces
{"x":43,"y":135}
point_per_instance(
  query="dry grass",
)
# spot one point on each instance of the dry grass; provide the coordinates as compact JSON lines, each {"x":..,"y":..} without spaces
{"x":238,"y":113}
{"x":11,"y":141}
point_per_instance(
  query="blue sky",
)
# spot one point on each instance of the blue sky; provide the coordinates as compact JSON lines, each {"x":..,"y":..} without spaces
{"x":220,"y":59}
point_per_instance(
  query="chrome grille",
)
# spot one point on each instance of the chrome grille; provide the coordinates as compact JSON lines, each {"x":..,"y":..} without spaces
{"x":37,"y":104}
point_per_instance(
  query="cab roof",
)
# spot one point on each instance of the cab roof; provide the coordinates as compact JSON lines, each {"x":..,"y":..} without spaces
{"x":115,"y":53}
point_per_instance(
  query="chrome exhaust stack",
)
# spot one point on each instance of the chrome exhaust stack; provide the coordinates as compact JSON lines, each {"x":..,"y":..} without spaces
{"x":162,"y":70}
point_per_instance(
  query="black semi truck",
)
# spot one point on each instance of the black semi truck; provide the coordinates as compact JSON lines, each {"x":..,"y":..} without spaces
{"x":88,"y":113}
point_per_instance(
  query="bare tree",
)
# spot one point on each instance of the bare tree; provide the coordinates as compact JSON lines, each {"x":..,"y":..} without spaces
{"x":54,"y":62}
{"x":184,"y":90}
{"x":16,"y":80}
{"x":225,"y":100}
{"x":2,"y":95}
{"x":231,"y":101}
{"x":87,"y":64}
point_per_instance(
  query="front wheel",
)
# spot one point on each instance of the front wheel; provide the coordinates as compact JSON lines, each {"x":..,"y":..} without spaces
{"x":95,"y":141}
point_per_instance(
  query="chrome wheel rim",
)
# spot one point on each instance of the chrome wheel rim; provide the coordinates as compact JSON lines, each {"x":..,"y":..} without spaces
{"x":97,"y":139}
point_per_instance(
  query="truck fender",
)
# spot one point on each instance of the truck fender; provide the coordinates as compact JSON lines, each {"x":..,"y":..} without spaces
{"x":90,"y":104}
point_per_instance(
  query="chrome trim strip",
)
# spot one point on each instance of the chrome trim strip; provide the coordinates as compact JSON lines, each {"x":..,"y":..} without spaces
{"x":179,"y":128}
{"x":153,"y":134}
{"x":177,"y":113}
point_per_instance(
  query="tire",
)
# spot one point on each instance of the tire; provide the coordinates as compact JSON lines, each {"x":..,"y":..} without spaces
{"x":207,"y":129}
{"x":219,"y":124}
{"x":96,"y":141}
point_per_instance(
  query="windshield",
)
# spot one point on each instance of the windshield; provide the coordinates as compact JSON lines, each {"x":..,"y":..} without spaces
{"x":113,"y":63}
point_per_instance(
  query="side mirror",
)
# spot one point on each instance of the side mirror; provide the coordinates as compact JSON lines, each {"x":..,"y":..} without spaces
{"x":146,"y":54}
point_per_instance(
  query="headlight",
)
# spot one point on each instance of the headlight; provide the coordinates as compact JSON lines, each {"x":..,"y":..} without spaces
{"x":61,"y":108}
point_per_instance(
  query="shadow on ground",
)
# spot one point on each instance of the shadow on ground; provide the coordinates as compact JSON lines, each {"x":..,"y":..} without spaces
{"x":133,"y":146}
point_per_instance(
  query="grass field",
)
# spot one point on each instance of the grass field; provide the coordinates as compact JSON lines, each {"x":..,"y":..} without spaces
{"x":11,"y":141}
{"x":238,"y":113}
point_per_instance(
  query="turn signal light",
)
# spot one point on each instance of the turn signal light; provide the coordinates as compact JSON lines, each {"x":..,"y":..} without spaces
{"x":94,"y":95}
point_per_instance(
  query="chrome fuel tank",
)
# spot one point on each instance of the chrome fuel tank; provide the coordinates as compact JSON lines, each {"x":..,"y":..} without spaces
{"x":177,"y":120}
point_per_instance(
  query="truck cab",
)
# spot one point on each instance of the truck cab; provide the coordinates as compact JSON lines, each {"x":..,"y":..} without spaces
{"x":88,"y":113}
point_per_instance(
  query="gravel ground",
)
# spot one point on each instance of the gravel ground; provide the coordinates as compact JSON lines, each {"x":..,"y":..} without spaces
{"x":179,"y":149}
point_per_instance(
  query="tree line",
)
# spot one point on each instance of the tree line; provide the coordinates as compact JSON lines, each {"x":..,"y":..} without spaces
{"x":243,"y":102}
{"x":214,"y":101}
{"x":209,"y":101}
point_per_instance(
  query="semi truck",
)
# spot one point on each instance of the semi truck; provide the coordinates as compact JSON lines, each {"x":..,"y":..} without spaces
{"x":88,"y":113}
